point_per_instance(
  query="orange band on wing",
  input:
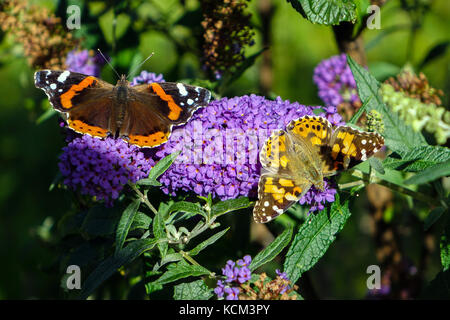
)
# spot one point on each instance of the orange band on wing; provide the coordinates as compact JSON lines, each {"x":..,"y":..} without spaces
{"x":82,"y":127}
{"x":152,"y":140}
{"x":66,"y":97}
{"x":175,"y":110}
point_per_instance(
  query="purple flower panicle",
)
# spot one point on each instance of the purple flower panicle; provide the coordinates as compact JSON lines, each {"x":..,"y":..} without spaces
{"x":235,"y":273}
{"x":335,"y":81}
{"x":101,"y":168}
{"x":84,"y":61}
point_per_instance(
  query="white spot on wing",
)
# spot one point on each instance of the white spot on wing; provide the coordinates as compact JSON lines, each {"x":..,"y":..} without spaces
{"x":53,"y":86}
{"x":63,"y":76}
{"x":278,"y":210}
{"x":190,"y":101}
{"x":182,"y":89}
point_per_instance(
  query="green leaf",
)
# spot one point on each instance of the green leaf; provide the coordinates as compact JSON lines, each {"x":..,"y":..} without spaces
{"x":170,"y":257}
{"x":181,"y":270}
{"x":313,"y":239}
{"x":141,"y":221}
{"x":106,"y":21}
{"x":226,"y":206}
{"x":399,"y":136}
{"x":272,"y":250}
{"x":110,"y":265}
{"x":189,"y":207}
{"x":159,"y":231}
{"x":359,"y":113}
{"x":158,"y":170}
{"x":207,"y":242}
{"x":376,"y":164}
{"x":125,"y":223}
{"x":327,"y":12}
{"x":445,"y":246}
{"x":432,"y":173}
{"x":418,"y":158}
{"x":196,"y":290}
{"x":433,"y":216}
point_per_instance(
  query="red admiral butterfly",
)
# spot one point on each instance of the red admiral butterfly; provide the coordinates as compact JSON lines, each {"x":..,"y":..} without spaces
{"x":142,"y":115}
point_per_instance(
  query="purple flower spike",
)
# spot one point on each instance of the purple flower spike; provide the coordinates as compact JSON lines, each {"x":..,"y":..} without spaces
{"x":85,"y":62}
{"x":101,"y":168}
{"x":335,"y":81}
{"x":235,"y":273}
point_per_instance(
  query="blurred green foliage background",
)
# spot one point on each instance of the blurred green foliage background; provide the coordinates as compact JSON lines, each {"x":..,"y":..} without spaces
{"x":29,"y":151}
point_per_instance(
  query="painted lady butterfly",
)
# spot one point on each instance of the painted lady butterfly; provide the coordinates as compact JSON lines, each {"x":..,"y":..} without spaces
{"x":301,"y":156}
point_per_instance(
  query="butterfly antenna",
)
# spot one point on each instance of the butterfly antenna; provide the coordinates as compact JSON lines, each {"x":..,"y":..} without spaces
{"x":118,"y":76}
{"x":131,"y":72}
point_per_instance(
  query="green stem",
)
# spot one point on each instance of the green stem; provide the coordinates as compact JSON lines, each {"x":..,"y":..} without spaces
{"x":351,"y":184}
{"x":143,"y":198}
{"x":189,"y":258}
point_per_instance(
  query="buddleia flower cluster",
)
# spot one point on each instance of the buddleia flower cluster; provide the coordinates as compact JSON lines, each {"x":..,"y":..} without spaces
{"x":421,"y":116}
{"x":85,"y":61}
{"x":336,"y":84}
{"x":101,"y":168}
{"x":43,"y":35}
{"x":226,"y":33}
{"x":237,"y":284}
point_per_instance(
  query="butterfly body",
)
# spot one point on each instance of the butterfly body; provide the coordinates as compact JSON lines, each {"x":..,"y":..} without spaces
{"x":299,"y":157}
{"x":142,"y":115}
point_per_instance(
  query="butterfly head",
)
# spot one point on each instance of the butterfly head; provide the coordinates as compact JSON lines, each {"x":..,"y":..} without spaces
{"x":122,"y":81}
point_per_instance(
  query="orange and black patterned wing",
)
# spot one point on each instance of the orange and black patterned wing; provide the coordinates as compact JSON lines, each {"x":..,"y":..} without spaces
{"x":174,"y":103}
{"x":276,"y":194}
{"x":317,"y":130}
{"x":154,"y":108}
{"x":274,"y":156}
{"x":349,"y":147}
{"x":144,"y":127}
{"x":86,"y":99}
